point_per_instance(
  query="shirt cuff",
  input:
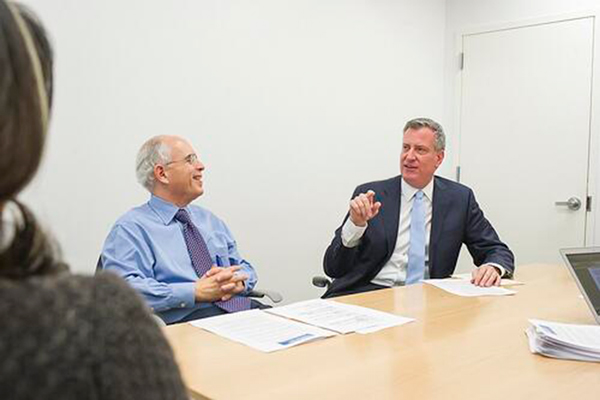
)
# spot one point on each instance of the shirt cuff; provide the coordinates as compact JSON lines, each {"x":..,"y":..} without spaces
{"x":351,"y":234}
{"x":184,"y":295}
{"x":500,"y":267}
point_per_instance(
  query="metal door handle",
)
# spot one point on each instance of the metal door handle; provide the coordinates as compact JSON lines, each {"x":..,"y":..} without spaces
{"x":573,"y":203}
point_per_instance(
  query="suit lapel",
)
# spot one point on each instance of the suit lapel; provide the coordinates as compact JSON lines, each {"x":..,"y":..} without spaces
{"x":390,"y":212}
{"x":440,"y":205}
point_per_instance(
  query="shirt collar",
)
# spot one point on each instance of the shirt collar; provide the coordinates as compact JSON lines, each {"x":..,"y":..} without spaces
{"x":408,"y":191}
{"x":166,"y":210}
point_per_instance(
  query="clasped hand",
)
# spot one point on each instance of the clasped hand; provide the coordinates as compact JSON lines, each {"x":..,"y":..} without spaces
{"x":220,"y":283}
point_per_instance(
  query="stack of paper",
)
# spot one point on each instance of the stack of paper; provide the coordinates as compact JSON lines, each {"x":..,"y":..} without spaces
{"x":571,"y":342}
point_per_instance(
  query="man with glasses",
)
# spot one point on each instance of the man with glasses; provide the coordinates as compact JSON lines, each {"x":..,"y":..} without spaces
{"x":180,"y":257}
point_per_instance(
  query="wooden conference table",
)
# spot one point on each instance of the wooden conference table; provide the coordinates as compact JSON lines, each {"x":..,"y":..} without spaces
{"x":458,"y":348}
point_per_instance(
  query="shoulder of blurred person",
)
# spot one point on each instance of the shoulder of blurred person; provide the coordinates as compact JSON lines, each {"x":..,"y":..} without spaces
{"x":69,"y":336}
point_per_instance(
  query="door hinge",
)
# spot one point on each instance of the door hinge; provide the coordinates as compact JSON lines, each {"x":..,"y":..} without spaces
{"x":588,"y":204}
{"x":458,"y":174}
{"x":461,"y":61}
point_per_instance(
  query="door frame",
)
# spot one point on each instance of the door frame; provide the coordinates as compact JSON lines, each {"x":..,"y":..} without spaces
{"x":592,"y":222}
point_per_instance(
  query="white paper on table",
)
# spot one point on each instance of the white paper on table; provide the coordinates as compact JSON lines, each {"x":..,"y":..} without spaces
{"x":461,"y":287}
{"x":503,"y":282}
{"x":260,"y":330}
{"x":338,"y":317}
{"x":580,"y":336}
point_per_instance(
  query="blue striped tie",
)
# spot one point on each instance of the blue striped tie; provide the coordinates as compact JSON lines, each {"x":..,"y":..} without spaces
{"x":202,"y":262}
{"x":416,"y":252}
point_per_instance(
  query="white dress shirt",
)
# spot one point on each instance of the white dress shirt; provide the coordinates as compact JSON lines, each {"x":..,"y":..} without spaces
{"x":393,"y":273}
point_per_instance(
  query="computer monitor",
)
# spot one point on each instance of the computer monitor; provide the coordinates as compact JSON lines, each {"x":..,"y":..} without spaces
{"x":584,"y":265}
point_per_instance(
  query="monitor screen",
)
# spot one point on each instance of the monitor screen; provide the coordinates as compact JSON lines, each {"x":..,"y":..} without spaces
{"x":587,"y":269}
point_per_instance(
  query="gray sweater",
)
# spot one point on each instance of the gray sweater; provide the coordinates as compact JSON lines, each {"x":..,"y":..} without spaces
{"x":73,"y":337}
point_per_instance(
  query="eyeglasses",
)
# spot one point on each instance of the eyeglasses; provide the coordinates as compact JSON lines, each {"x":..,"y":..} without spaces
{"x":191,"y":159}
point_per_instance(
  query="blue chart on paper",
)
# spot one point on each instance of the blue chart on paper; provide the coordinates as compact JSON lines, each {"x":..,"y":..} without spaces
{"x":296,"y":339}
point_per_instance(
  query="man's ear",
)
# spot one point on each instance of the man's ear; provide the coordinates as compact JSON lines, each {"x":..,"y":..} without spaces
{"x":160,"y":174}
{"x":440,"y":157}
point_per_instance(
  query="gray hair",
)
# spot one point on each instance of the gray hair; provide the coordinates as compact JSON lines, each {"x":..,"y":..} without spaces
{"x":440,"y":136}
{"x":154,"y":151}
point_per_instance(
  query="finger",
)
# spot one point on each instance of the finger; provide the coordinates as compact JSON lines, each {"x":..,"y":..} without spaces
{"x":355,"y":211}
{"x":239,"y":288}
{"x":239,"y":277}
{"x":223,"y":276}
{"x":490,"y":275}
{"x":479,"y":275}
{"x":354,"y":206}
{"x":485,"y":279}
{"x":370,"y":195}
{"x":360,"y":202}
{"x":476,"y":277}
{"x":365,"y":206}
{"x":234,"y":268}
{"x":369,"y":206}
{"x":494,"y":279}
{"x":212,"y":271}
{"x":498,"y":280}
{"x":359,"y":213}
{"x":226,"y":297}
{"x":375,"y":209}
{"x":228,"y":287}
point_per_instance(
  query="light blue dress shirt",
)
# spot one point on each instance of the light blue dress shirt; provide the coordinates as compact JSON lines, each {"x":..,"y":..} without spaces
{"x":147,"y":248}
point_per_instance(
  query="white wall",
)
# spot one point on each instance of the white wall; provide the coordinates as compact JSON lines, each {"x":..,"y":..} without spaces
{"x":290,"y":104}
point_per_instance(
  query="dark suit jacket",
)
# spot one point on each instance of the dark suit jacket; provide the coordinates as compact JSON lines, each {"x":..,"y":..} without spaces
{"x":456,"y":219}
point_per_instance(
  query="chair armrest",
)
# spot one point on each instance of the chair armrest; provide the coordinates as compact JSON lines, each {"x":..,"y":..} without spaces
{"x":158,"y":320}
{"x":321,"y":281}
{"x":274,"y":296}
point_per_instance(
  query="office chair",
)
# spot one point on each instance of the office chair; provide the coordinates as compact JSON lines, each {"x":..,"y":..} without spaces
{"x":272,"y":295}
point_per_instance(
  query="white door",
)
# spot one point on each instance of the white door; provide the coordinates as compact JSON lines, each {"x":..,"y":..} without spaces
{"x":525,"y":133}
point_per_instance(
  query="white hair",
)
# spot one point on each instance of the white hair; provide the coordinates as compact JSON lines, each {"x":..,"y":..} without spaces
{"x":154,"y":151}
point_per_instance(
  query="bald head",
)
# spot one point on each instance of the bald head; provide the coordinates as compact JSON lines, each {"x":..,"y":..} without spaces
{"x":156,"y":150}
{"x":168,"y":167}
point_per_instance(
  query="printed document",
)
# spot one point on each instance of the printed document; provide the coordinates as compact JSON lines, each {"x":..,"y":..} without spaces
{"x":261,"y":331}
{"x":465,"y":288}
{"x":339,"y":317}
{"x":503,"y":281}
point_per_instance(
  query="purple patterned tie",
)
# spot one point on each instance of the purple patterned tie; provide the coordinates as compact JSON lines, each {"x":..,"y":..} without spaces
{"x":202,"y":262}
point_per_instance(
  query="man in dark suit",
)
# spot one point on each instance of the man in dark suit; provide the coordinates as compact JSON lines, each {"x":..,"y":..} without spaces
{"x":411,"y":227}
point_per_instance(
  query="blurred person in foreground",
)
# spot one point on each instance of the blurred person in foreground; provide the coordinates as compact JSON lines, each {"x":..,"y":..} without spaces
{"x":62,"y":336}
